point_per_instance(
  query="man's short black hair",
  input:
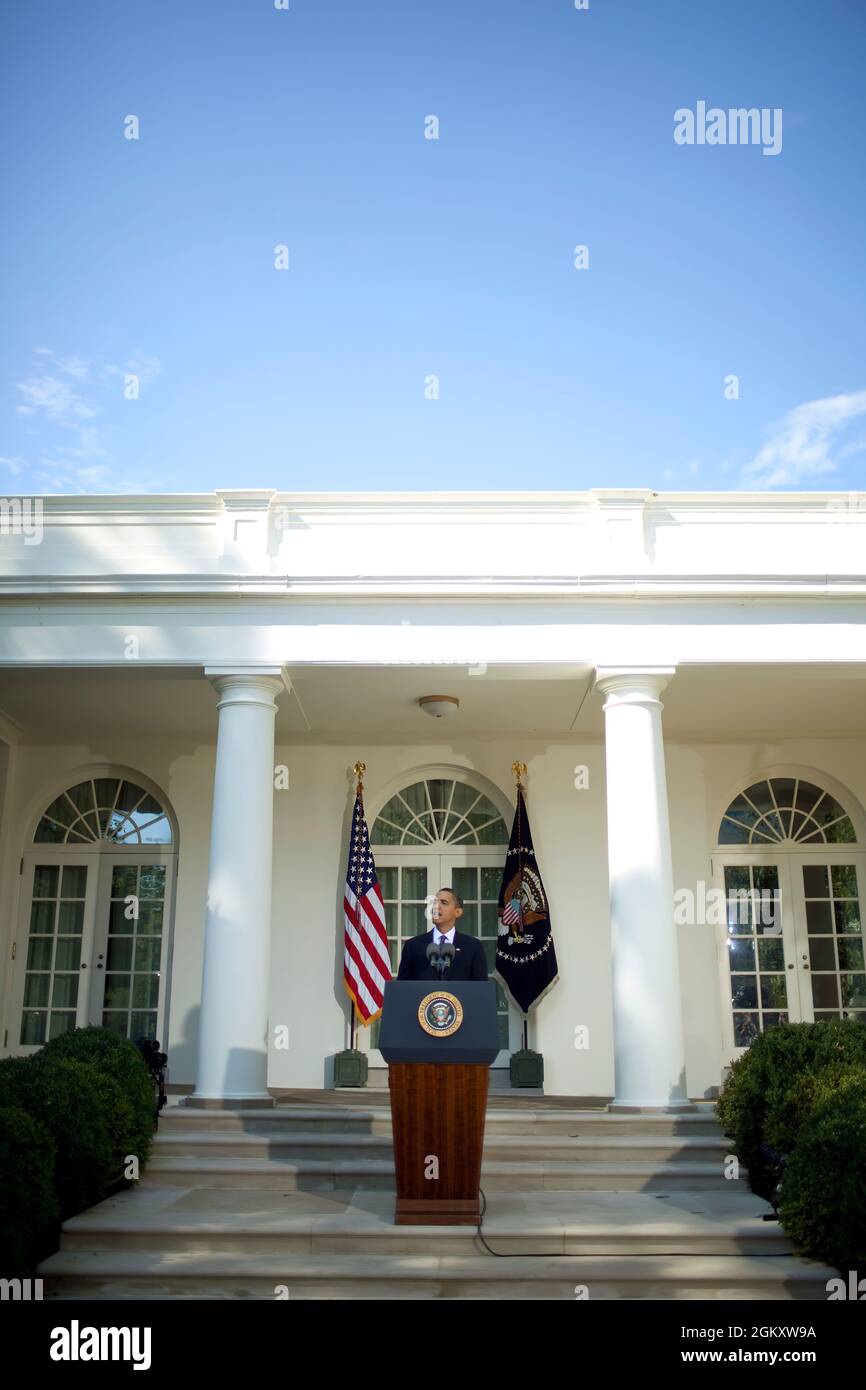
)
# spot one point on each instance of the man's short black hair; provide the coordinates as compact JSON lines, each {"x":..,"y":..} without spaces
{"x":454,"y":895}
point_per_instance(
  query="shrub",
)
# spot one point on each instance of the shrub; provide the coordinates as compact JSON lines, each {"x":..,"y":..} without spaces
{"x":71,"y":1114}
{"x":796,"y":1101}
{"x":69,"y":1099}
{"x":766,"y":1093}
{"x":823,"y":1199}
{"x":116,"y":1057}
{"x":28,"y":1204}
{"x":122,"y":1128}
{"x":14,"y":1072}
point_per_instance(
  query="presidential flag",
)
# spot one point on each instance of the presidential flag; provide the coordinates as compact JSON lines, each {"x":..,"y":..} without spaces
{"x":525,"y":955}
{"x":366,"y":962}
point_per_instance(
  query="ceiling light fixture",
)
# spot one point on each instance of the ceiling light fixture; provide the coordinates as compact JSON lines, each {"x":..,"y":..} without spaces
{"x":438,"y":705}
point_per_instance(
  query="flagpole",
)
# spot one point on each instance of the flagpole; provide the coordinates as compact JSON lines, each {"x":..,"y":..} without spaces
{"x":359,"y":769}
{"x":519,"y":771}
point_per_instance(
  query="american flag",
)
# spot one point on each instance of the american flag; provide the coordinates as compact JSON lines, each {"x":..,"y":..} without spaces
{"x":366,"y":963}
{"x":512,"y":913}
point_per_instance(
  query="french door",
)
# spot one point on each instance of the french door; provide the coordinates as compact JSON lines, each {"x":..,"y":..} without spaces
{"x":93,"y":944}
{"x":409,"y":882}
{"x":792,"y":947}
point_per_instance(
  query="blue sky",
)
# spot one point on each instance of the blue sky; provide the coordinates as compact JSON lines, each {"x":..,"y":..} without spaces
{"x":411,"y":258}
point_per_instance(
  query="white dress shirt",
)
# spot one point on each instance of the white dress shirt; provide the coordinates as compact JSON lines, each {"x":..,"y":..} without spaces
{"x":439,"y":936}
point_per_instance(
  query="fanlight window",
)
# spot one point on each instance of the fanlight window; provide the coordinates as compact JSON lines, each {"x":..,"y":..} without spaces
{"x":104,"y":808}
{"x":439,"y":811}
{"x":785,"y":809}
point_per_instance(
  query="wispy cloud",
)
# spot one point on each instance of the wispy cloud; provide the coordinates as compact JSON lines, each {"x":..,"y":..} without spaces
{"x":89,"y":445}
{"x":70,"y":366}
{"x":75,"y":367}
{"x":55,"y":398}
{"x":52,"y":475}
{"x":800,"y":447}
{"x":145,"y":368}
{"x":61,"y":399}
{"x":692,"y":468}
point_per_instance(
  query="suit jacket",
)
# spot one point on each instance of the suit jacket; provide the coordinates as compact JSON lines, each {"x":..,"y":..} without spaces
{"x":469,"y":961}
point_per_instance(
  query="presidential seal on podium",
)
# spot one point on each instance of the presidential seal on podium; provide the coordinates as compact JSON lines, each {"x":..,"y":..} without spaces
{"x":440,"y":1014}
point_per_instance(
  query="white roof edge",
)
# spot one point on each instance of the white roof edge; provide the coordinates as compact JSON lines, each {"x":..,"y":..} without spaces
{"x":161,"y":501}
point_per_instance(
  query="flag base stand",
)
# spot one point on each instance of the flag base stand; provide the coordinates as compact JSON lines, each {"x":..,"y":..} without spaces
{"x":350,"y":1068}
{"x":526,"y":1068}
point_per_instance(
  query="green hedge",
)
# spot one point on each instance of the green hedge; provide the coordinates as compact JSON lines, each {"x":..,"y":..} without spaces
{"x":772,"y":1087}
{"x":823,"y":1195}
{"x":68,"y":1098}
{"x":29,"y":1212}
{"x":116,"y":1057}
{"x":83,"y":1103}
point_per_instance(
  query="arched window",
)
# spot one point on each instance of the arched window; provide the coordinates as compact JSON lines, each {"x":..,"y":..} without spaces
{"x":782,"y":810}
{"x":98,"y":899}
{"x":439,"y":811}
{"x":791,"y":869}
{"x":112,"y":809}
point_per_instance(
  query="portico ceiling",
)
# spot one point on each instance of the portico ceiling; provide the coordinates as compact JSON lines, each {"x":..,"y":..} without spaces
{"x":379,"y":704}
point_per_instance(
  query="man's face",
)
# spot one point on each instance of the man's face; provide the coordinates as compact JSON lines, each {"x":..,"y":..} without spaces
{"x":444,"y":910}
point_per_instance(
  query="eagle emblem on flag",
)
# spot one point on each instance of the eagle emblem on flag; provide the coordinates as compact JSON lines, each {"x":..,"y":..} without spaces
{"x":525,"y":956}
{"x":525,"y":903}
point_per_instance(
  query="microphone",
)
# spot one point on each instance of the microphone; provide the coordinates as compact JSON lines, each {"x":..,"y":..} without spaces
{"x":434,"y":958}
{"x":446,"y":951}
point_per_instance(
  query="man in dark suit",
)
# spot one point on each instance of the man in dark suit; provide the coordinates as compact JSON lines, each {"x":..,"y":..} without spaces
{"x":469,"y":961}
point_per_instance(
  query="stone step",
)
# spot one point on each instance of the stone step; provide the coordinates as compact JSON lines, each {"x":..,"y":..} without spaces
{"x":183,"y":1170}
{"x":138,"y":1274}
{"x":547,"y":1223}
{"x":337,"y":1119}
{"x":539,"y":1148}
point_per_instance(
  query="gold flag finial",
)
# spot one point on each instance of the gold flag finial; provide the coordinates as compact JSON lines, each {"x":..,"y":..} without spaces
{"x":519,"y":770}
{"x":359,"y":769}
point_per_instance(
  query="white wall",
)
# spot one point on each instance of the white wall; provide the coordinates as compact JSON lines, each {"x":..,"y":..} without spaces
{"x":312,"y":825}
{"x":311,"y":828}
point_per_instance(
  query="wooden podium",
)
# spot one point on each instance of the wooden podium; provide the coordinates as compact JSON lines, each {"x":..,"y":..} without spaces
{"x":439,"y":1042}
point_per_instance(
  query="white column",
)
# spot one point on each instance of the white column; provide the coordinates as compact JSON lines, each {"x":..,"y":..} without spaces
{"x":649,"y":1053}
{"x":233,"y":1026}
